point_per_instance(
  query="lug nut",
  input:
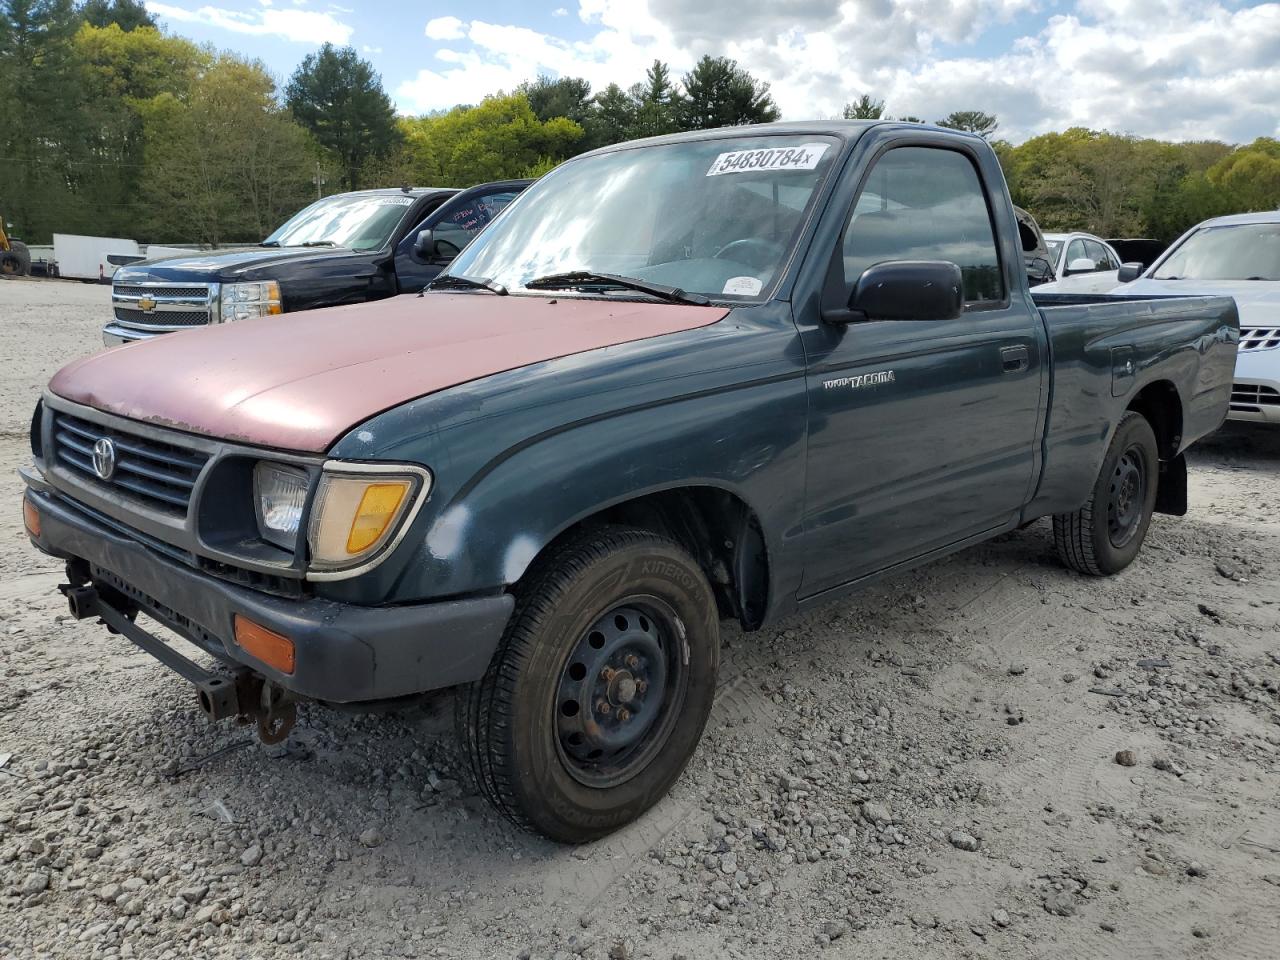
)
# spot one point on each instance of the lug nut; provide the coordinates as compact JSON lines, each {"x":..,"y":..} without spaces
{"x":607,"y":674}
{"x":624,"y":714}
{"x":603,"y":706}
{"x":633,"y":661}
{"x":641,"y":686}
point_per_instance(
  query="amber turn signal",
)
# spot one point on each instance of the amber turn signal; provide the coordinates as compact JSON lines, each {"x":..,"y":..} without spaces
{"x":266,"y":645}
{"x":30,"y":517}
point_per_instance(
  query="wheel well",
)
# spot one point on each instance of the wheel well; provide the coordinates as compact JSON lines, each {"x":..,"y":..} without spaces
{"x":717,"y":528}
{"x":1160,"y":404}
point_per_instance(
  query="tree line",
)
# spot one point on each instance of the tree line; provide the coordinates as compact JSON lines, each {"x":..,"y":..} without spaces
{"x":112,"y":126}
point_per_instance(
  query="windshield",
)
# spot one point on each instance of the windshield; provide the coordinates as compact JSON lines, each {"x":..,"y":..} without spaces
{"x":359,"y":221}
{"x":714,"y":217}
{"x":1241,"y":251}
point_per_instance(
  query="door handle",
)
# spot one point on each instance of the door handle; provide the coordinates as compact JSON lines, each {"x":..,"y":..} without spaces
{"x":1015,"y":359}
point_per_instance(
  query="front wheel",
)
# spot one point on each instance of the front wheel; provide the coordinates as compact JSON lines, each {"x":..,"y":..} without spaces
{"x":1103,"y":536}
{"x":598,"y":693}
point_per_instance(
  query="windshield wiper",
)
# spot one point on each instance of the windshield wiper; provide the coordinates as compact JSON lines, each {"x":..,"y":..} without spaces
{"x":458,"y":280}
{"x":317,"y":243}
{"x":269,"y":243}
{"x":588,"y":278}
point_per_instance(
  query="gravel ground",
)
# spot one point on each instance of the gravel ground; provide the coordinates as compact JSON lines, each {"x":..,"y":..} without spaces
{"x":987,"y":757}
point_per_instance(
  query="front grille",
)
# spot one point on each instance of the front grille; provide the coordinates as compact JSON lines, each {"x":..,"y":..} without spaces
{"x":186,"y":290}
{"x":1252,"y":397}
{"x":1259,"y":338}
{"x":159,"y":474}
{"x":161,"y":306}
{"x":170,"y":318}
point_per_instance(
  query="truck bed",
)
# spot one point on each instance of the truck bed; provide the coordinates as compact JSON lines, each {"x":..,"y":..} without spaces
{"x":1107,"y":352}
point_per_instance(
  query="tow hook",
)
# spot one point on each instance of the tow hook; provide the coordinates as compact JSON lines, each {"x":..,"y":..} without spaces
{"x":244,"y":695}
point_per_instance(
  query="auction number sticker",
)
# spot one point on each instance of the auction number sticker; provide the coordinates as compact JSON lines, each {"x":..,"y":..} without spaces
{"x":803,"y":157}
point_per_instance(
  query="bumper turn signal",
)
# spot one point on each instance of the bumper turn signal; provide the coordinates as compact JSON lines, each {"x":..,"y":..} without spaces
{"x":30,"y":517}
{"x":271,"y":648}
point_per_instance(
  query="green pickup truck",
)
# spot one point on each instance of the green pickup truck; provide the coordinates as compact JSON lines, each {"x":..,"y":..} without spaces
{"x":723,"y":375}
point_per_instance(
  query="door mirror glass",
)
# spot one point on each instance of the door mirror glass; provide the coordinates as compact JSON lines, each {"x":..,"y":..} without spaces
{"x":1081,"y":265}
{"x":1129,"y":272}
{"x":905,"y":290}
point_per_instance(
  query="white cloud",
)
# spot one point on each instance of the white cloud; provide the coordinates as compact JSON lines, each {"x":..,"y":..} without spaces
{"x":302,"y":26}
{"x":560,"y":12}
{"x":445,"y":28}
{"x":1187,"y":69}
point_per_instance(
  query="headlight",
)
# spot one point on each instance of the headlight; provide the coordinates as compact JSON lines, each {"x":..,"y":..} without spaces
{"x":281,"y":493}
{"x":357,"y":513}
{"x":244,"y":301}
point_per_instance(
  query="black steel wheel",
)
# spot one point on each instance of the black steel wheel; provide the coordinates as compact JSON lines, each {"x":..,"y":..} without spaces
{"x":1105,"y":534}
{"x":597,"y":695}
{"x":620,"y":691}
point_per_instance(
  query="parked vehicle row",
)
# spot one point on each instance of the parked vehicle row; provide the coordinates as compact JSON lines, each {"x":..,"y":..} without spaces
{"x":722,"y":375}
{"x":347,"y":248}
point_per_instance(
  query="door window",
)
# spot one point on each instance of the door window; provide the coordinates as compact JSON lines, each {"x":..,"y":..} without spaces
{"x":1098,"y":254}
{"x":461,"y":219}
{"x":1076,"y":251}
{"x":926,"y":203}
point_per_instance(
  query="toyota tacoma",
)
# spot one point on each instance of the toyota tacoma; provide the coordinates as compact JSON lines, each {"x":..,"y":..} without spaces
{"x":715,"y":376}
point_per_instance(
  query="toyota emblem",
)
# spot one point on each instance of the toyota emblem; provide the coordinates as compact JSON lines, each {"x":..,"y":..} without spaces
{"x":104,"y":458}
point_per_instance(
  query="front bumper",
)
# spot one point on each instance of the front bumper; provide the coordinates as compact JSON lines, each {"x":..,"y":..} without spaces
{"x":344,"y":653}
{"x":114,"y":334}
{"x":1255,"y":392}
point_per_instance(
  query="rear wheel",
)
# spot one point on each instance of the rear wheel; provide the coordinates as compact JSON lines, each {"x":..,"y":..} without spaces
{"x":600,"y":688}
{"x":1104,"y":535}
{"x":17,"y":261}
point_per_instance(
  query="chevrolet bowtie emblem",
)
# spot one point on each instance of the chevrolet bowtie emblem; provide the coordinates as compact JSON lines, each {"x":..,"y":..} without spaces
{"x":146,"y":304}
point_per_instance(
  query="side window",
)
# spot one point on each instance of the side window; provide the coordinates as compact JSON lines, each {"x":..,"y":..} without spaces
{"x":926,"y":203}
{"x":1076,"y":251}
{"x":1099,"y":255}
{"x":460,"y":220}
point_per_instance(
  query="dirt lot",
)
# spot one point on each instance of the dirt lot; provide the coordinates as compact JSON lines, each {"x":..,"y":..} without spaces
{"x":927,"y":770}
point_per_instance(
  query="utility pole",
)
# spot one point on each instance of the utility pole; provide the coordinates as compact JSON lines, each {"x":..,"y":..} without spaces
{"x":319,"y":181}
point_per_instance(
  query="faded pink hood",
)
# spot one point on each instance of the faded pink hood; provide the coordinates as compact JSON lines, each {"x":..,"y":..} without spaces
{"x":301,"y":380}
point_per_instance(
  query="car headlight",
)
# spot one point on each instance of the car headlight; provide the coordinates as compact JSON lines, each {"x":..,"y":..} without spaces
{"x":281,"y":493}
{"x":245,"y":301}
{"x":359,"y":509}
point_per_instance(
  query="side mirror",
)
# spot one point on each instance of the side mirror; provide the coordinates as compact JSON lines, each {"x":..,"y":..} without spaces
{"x":905,"y":290}
{"x":1130,"y":272}
{"x":424,"y":244}
{"x":1081,"y":265}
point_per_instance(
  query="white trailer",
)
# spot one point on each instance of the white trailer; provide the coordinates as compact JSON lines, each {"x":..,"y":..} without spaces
{"x":85,"y":258}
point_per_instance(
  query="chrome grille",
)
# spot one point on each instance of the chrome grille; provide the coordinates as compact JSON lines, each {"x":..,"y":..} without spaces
{"x":175,"y":318}
{"x":164,"y":306}
{"x":1259,"y":338}
{"x":159,"y":474}
{"x":1252,"y":397}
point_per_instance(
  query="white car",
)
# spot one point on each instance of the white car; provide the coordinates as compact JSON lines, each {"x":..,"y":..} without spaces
{"x":1238,"y":256}
{"x":1082,"y":263}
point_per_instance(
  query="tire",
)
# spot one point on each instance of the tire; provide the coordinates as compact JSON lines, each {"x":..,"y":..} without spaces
{"x":600,"y":687}
{"x":20,"y":257}
{"x":1103,"y":536}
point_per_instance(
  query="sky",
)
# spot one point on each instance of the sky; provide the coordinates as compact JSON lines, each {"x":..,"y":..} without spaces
{"x":1174,"y":69}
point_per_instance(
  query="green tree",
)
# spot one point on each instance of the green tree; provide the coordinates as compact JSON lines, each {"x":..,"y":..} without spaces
{"x":864,"y":108}
{"x":339,"y":98}
{"x":656,"y":103}
{"x":971,"y":121}
{"x":44,"y":118}
{"x":500,"y":138}
{"x":613,"y":117}
{"x":228,"y":163}
{"x":558,"y":97}
{"x":126,"y":14}
{"x":719,"y":93}
{"x":1250,"y":176}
